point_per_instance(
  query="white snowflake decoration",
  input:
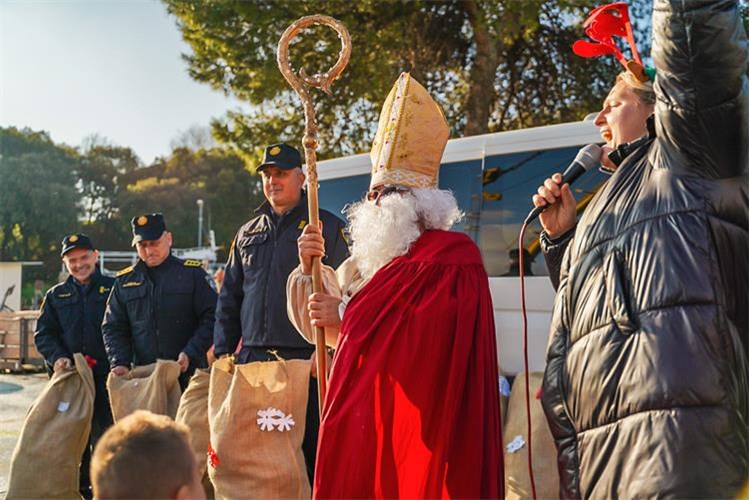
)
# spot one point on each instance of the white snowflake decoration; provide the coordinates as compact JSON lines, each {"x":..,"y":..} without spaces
{"x":271,"y":418}
{"x":265,"y":420}
{"x":515,"y":445}
{"x":286,"y":423}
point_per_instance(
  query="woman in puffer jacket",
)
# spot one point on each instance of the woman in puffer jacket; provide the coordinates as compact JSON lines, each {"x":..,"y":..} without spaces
{"x":645,"y":388}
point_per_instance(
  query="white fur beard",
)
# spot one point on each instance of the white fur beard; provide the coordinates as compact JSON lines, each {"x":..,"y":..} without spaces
{"x":380,"y":233}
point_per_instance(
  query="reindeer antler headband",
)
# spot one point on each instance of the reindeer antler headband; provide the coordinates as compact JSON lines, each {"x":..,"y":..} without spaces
{"x":603,"y":24}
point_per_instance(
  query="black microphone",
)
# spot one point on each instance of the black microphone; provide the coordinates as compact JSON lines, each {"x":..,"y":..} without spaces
{"x":586,"y":158}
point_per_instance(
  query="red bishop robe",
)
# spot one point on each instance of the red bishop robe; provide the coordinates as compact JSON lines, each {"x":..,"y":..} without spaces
{"x":413,"y":408}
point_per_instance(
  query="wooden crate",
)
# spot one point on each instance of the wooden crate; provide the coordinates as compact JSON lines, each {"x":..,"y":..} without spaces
{"x":17,"y":349}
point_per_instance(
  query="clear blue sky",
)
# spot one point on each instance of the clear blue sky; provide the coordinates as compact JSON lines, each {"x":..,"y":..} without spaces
{"x":113,"y":68}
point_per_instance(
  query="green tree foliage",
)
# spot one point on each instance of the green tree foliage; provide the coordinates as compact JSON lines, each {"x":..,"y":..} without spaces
{"x":101,"y":173}
{"x":174,"y":185}
{"x":17,"y":142}
{"x":50,"y":190}
{"x":492,"y":65}
{"x":115,"y":187}
{"x":106,"y":173}
{"x":230,"y":193}
{"x":38,"y":195}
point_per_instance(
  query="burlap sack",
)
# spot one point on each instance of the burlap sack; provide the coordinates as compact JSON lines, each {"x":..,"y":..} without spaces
{"x":53,"y":437}
{"x":153,"y":387}
{"x":543,"y":452}
{"x":256,"y":450}
{"x":193,"y":412}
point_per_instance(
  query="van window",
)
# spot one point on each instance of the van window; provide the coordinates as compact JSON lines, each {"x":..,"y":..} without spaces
{"x":508,"y":183}
{"x":495,"y":196}
{"x":464,"y":179}
{"x":335,"y":194}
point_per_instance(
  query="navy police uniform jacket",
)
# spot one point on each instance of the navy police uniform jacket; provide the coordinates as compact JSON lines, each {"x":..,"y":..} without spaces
{"x":147,"y":320}
{"x":70,"y":321}
{"x":252,"y":301}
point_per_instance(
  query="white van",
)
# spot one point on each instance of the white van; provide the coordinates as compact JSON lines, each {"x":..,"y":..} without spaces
{"x":493,"y":177}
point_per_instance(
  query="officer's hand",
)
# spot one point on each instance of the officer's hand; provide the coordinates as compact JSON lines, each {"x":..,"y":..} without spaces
{"x":323,"y":310}
{"x":314,"y":367}
{"x":310,"y":244}
{"x":183,"y":361}
{"x":61,"y":364}
{"x":560,"y":215}
{"x":119,"y":371}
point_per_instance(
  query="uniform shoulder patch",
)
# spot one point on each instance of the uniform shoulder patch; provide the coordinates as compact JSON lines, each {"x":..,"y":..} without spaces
{"x":123,"y":272}
{"x":255,"y":230}
{"x":192,"y":263}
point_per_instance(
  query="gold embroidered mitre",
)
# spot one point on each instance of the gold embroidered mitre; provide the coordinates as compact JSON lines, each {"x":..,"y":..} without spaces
{"x":412,"y":134}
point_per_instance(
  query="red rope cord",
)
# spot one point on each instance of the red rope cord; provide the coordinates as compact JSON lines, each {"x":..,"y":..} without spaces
{"x":526,"y":358}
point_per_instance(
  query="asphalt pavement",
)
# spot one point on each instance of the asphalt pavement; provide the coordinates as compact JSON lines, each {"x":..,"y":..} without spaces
{"x":17,"y":393}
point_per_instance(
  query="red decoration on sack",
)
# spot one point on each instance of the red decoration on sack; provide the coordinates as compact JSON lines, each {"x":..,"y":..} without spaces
{"x":213,"y":458}
{"x":603,"y":24}
{"x":539,"y":393}
{"x":90,"y":361}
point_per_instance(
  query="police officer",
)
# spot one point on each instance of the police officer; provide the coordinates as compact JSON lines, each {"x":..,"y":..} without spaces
{"x":162,"y":307}
{"x":252,"y":301}
{"x":70,"y":322}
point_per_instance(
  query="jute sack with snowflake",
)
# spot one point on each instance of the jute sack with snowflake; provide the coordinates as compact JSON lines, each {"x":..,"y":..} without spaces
{"x":256,"y":414}
{"x":54,"y":434}
{"x":153,"y":387}
{"x":543,"y":451}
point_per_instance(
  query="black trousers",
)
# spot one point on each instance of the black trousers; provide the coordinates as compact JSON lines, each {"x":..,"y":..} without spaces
{"x":312,"y":419}
{"x":100,"y":422}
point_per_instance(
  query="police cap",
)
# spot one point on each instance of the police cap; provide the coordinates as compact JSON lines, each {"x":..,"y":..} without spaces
{"x":282,"y":156}
{"x":147,"y":227}
{"x":77,"y":240}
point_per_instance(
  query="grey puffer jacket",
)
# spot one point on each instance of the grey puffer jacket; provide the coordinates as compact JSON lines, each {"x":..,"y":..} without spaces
{"x":646,"y":388}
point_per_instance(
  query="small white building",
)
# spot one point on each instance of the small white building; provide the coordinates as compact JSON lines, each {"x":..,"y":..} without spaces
{"x":10,"y":284}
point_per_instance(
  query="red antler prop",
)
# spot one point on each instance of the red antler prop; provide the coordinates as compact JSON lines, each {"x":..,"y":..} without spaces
{"x":603,"y":24}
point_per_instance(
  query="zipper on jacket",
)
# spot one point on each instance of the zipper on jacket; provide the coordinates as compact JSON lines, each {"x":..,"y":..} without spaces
{"x":154,"y":318}
{"x":84,"y":317}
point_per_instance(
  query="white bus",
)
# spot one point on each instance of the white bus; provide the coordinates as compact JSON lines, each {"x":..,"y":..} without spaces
{"x":493,"y":177}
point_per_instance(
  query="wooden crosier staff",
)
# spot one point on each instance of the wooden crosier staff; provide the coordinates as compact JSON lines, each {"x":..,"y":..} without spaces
{"x":310,"y":142}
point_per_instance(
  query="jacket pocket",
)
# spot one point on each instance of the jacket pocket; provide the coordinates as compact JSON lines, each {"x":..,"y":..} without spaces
{"x":131,"y":293}
{"x":253,"y":249}
{"x":619,"y":295}
{"x":67,"y":307}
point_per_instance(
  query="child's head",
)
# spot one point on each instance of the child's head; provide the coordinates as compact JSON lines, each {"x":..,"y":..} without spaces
{"x":145,"y":456}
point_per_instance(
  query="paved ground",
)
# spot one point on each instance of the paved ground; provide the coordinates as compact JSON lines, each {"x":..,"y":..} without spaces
{"x":17,"y":392}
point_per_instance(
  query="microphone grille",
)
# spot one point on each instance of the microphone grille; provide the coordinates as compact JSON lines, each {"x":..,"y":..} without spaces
{"x":589,"y":156}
